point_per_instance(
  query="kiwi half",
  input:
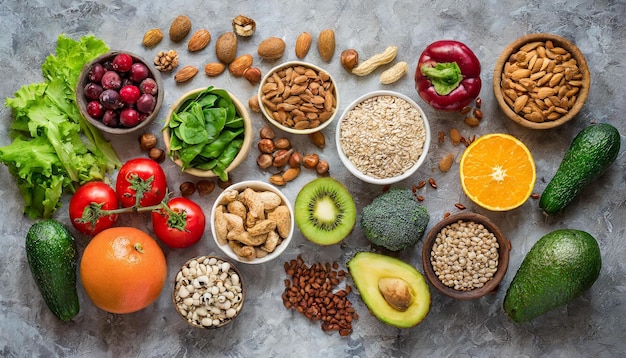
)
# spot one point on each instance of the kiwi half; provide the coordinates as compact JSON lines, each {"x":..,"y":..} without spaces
{"x":325,"y":211}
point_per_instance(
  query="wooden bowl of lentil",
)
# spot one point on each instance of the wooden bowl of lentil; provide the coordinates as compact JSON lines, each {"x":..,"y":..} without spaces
{"x":541,"y":81}
{"x":383,"y":137}
{"x":465,"y":256}
{"x":298,"y":97}
{"x":208,"y":292}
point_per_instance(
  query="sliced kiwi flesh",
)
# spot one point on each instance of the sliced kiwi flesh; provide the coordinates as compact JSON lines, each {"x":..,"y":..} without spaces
{"x":325,"y":211}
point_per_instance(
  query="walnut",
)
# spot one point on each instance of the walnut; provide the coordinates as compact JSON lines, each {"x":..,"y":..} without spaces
{"x":166,"y":60}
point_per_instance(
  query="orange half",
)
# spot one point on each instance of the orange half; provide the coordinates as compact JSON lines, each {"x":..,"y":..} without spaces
{"x":497,"y":172}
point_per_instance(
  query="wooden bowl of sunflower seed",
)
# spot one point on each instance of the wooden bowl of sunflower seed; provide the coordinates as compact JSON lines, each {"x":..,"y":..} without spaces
{"x":541,"y":81}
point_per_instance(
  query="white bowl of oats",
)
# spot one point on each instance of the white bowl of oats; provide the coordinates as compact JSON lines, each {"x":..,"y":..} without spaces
{"x":383,"y":137}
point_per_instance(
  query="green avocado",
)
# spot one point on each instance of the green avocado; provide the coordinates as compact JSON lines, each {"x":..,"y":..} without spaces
{"x":52,"y":258}
{"x":561,"y":266}
{"x":590,"y":154}
{"x":394,"y":291}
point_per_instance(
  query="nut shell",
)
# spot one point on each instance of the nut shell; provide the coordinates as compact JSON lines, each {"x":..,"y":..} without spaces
{"x":226,"y":47}
{"x":272,"y":48}
{"x":244,"y":26}
{"x":180,"y":27}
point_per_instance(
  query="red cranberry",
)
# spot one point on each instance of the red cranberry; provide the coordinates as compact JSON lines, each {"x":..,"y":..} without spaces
{"x":95,"y":109}
{"x":92,"y":90}
{"x":146,"y":103}
{"x":149,"y":86}
{"x":96,"y":71}
{"x":130,"y":93}
{"x":138,"y":72}
{"x":129,"y":117}
{"x":111,"y":118}
{"x":122,"y":62}
{"x":111,"y":80}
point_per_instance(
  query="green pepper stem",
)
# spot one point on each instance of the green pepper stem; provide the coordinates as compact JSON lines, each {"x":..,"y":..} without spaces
{"x":445,"y":76}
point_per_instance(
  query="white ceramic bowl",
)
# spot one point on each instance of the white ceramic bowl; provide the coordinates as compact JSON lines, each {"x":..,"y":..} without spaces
{"x":268,"y":113}
{"x":381,"y":180}
{"x":257,"y":186}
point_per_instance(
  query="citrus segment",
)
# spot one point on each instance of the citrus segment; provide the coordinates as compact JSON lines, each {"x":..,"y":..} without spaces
{"x":123,"y":270}
{"x":497,"y":172}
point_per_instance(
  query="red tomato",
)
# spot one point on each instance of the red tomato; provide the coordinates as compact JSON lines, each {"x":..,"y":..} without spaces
{"x":140,"y":182}
{"x":85,"y":205}
{"x":181,"y":225}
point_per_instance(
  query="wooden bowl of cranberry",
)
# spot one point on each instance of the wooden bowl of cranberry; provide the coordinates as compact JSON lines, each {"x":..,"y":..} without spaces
{"x":118,"y":92}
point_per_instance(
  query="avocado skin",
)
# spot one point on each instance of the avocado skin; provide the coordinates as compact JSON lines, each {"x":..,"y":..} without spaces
{"x":53,"y":258}
{"x":589,"y":155}
{"x":561,"y":266}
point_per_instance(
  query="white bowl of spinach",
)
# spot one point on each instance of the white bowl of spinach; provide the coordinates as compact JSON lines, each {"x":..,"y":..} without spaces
{"x":208,"y":132}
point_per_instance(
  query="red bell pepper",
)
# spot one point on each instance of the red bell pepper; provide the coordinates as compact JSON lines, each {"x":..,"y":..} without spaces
{"x":448,"y":75}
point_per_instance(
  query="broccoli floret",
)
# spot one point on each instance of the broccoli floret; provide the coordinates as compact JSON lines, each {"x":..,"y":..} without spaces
{"x":394,"y":220}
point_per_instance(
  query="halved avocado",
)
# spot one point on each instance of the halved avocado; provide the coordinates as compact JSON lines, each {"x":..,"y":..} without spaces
{"x":394,"y":291}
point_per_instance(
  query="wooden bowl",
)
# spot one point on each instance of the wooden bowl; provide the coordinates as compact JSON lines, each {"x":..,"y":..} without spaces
{"x":243,"y":152}
{"x":82,"y":101}
{"x":268,"y":113}
{"x":205,"y":303}
{"x":506,"y":103}
{"x":503,"y":259}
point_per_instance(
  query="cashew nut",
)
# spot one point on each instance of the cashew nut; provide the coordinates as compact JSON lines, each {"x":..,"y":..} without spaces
{"x":273,"y":239}
{"x":269,"y":199}
{"x":245,"y":238}
{"x":244,"y":251}
{"x":250,"y":198}
{"x":262,"y":227}
{"x":236,"y":207}
{"x":229,"y":196}
{"x":282,"y":217}
{"x":221,"y":225}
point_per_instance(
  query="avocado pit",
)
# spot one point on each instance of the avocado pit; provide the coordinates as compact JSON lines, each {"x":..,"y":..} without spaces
{"x":396,"y":293}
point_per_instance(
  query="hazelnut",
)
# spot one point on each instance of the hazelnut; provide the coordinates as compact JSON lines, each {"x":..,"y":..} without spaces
{"x":253,"y":75}
{"x":225,"y":184}
{"x":281,"y":157}
{"x":322,"y":167}
{"x":205,"y":187}
{"x":349,"y":59}
{"x":282,"y":143}
{"x":157,"y":154}
{"x":264,"y":160}
{"x":187,"y":188}
{"x":295,"y":160}
{"x":147,"y":141}
{"x":266,"y":146}
{"x":310,"y":161}
{"x":253,"y":103}
{"x":266,"y":132}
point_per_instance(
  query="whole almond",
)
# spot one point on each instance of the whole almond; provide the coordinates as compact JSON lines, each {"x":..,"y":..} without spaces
{"x":226,"y":47}
{"x":253,"y":75}
{"x":272,"y":48}
{"x":303,"y":44}
{"x":199,"y":40}
{"x":152,"y":37}
{"x":240,"y":65}
{"x":446,"y":162}
{"x":290,"y":174}
{"x":326,"y":44}
{"x":185,"y":74}
{"x":318,"y":139}
{"x":213,"y":69}
{"x":179,"y":28}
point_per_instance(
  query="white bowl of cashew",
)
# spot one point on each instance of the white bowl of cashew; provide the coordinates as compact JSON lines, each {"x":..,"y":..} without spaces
{"x":252,"y":222}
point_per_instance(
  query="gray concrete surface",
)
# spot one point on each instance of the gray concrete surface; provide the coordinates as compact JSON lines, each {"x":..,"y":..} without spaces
{"x":591,"y":326}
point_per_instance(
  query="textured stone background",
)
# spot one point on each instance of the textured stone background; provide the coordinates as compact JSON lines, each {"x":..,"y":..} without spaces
{"x":592,"y":325}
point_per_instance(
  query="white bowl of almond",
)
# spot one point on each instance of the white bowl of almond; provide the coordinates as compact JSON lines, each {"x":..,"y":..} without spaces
{"x":383,"y":137}
{"x":298,"y":97}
